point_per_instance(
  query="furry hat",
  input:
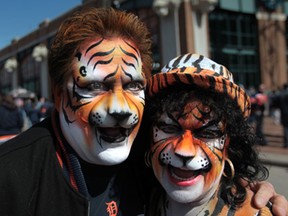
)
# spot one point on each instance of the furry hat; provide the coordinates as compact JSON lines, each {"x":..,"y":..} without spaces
{"x":197,"y":70}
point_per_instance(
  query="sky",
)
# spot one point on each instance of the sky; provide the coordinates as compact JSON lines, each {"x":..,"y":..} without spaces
{"x":20,"y":17}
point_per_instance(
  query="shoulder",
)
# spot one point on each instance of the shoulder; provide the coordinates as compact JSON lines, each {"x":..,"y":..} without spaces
{"x":29,"y":143}
{"x":25,"y":158}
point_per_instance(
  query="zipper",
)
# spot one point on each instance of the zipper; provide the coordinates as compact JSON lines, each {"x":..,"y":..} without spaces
{"x":88,"y":208}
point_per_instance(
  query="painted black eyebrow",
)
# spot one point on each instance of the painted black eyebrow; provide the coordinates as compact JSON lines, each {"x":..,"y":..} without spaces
{"x":102,"y":62}
{"x":210,"y":123}
{"x":94,"y":45}
{"x":111,"y":74}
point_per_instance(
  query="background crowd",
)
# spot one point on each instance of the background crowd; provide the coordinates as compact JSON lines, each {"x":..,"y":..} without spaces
{"x":18,"y":113}
{"x":272,"y":103}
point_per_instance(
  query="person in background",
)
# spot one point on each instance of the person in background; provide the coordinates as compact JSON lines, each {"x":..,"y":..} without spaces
{"x":201,"y":142}
{"x":45,"y":108}
{"x":12,"y":120}
{"x":259,"y":101}
{"x":32,"y":111}
{"x":82,"y":160}
{"x":20,"y":104}
{"x":274,"y":111}
{"x":280,"y":100}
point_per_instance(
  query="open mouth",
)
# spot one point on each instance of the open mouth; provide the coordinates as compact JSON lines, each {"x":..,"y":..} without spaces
{"x":183,"y":175}
{"x":114,"y":135}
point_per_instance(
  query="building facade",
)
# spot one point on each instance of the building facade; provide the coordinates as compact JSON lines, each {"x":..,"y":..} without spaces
{"x":249,"y":37}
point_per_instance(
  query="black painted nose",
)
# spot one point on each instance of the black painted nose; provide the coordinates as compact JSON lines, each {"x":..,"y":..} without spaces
{"x":121,"y":116}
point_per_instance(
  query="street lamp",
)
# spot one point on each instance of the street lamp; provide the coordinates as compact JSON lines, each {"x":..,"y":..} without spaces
{"x":163,"y":7}
{"x":40,"y":54}
{"x":203,"y":6}
{"x":10,"y":66}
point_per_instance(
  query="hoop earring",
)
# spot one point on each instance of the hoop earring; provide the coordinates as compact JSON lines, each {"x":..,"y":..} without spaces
{"x":147,"y":159}
{"x":231,"y":168}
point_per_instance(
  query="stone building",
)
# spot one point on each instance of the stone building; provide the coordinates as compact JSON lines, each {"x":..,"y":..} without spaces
{"x":249,"y":37}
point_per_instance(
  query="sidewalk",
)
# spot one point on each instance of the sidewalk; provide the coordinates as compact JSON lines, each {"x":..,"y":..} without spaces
{"x":273,"y":153}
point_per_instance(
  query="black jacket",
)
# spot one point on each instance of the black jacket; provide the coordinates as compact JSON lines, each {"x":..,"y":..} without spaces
{"x":11,"y":120}
{"x":280,"y":100}
{"x":32,"y":181}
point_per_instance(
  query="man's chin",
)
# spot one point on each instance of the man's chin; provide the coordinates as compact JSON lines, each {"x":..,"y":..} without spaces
{"x":111,"y":157}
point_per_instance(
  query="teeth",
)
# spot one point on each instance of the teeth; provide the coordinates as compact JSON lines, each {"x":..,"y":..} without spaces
{"x":179,"y":178}
{"x":183,"y":175}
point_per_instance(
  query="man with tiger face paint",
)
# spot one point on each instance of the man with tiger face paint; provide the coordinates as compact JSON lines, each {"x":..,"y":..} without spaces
{"x":76,"y":162}
{"x":98,"y":63}
{"x":201,"y":142}
{"x":102,"y":105}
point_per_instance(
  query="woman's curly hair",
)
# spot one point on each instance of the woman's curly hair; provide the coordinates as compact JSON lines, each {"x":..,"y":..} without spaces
{"x":242,"y":138}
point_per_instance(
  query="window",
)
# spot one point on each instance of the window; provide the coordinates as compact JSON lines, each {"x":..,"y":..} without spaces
{"x":234,"y":43}
{"x":30,"y":74}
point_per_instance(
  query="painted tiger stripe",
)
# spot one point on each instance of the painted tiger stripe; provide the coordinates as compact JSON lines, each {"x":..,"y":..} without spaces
{"x":134,"y":48}
{"x":130,"y":54}
{"x":103,"y":62}
{"x":129,"y":64}
{"x":94,"y":45}
{"x":127,"y":74}
{"x":97,"y":54}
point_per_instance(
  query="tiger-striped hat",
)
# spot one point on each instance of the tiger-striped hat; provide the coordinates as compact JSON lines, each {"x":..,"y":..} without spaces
{"x":197,"y":70}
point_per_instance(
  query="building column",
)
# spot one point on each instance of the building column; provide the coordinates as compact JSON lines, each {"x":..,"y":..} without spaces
{"x":194,"y":26}
{"x":183,"y":26}
{"x":44,"y":79}
{"x":272,"y":48}
{"x":167,"y":11}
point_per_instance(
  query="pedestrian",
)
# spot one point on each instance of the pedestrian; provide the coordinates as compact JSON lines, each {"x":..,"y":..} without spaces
{"x":201,"y":141}
{"x":11,"y":117}
{"x":76,"y":162}
{"x":259,"y":101}
{"x":32,"y":111}
{"x":274,"y":112}
{"x":45,"y":108}
{"x":280,"y":100}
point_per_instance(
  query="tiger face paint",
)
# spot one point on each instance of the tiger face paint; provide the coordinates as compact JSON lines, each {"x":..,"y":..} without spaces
{"x":188,"y":152}
{"x":102,"y":106}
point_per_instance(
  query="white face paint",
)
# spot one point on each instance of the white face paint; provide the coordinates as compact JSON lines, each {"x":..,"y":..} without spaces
{"x":188,"y":153}
{"x":102,"y":106}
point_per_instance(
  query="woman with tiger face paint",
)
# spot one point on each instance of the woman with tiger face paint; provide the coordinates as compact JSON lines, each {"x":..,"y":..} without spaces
{"x":201,"y":143}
